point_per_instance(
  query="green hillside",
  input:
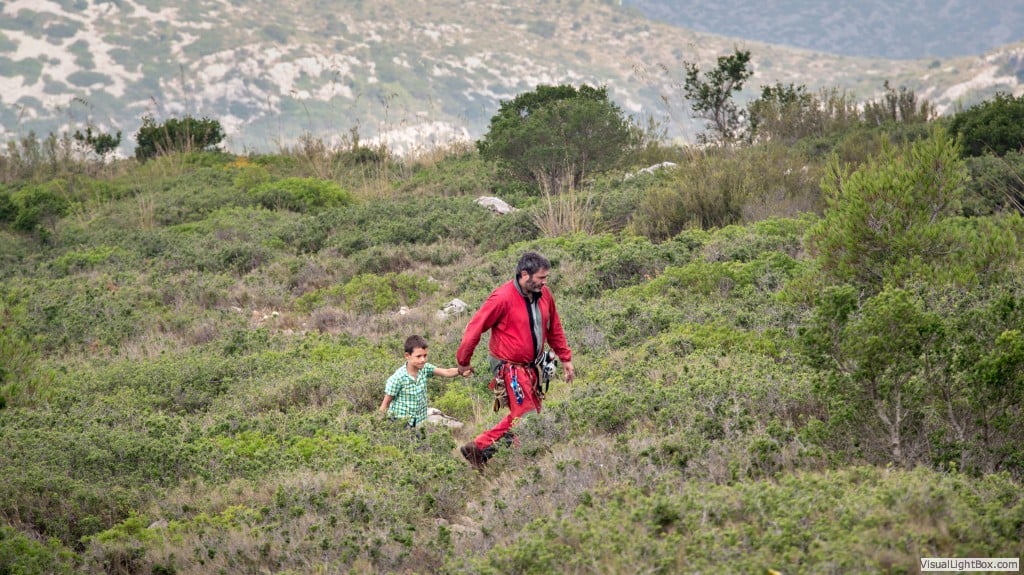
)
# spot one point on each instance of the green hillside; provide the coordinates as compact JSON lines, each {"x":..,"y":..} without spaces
{"x":800,"y":357}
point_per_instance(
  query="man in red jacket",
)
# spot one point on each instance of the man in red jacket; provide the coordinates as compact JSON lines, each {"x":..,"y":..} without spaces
{"x":522,"y":317}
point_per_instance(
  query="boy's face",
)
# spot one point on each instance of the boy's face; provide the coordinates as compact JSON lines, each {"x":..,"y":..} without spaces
{"x":418,"y":357}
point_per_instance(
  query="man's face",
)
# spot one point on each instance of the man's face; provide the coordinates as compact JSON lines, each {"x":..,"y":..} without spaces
{"x":533,"y":283}
{"x":418,"y":358}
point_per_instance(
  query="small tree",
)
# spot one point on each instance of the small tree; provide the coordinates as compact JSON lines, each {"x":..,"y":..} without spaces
{"x":885,"y":218}
{"x":994,"y":127}
{"x":185,"y":135}
{"x":99,"y":143}
{"x":790,"y":113}
{"x":898,"y":106}
{"x":782,"y":112}
{"x":556,"y":135}
{"x":711,"y":97}
{"x":875,"y":353}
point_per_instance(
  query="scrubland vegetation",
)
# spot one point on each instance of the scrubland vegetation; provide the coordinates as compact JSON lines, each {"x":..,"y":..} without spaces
{"x":800,"y":352}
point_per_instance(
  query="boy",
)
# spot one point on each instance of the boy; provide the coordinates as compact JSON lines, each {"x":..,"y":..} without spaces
{"x":405,"y":393}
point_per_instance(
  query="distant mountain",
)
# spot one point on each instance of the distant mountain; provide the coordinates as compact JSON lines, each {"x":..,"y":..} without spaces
{"x":907,"y":29}
{"x":411,"y":73}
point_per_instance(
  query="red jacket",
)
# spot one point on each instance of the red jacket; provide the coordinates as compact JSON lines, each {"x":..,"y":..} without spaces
{"x":505,"y":313}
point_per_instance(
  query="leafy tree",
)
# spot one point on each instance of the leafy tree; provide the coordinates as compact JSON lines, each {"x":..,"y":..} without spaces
{"x":781,"y":112}
{"x":985,"y":403}
{"x":99,"y":142}
{"x":711,"y":97}
{"x":994,"y":126}
{"x":790,"y":113}
{"x":185,"y":135}
{"x":884,"y":219}
{"x":874,"y":351}
{"x":898,"y":106}
{"x":556,"y":135}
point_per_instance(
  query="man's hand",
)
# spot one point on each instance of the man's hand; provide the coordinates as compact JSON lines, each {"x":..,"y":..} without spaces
{"x":570,"y":372}
{"x":465,"y":370}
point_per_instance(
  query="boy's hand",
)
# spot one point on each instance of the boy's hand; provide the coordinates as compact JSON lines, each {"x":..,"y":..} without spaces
{"x":465,"y":370}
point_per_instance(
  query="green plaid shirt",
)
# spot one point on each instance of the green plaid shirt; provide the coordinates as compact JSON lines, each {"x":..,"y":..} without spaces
{"x":410,"y":395}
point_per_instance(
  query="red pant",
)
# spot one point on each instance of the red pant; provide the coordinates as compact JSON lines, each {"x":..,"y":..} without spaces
{"x":527,"y":377}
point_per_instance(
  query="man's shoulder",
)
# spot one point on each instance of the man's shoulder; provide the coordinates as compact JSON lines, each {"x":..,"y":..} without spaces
{"x":502,"y":293}
{"x":545,"y":293}
{"x":506,"y":289}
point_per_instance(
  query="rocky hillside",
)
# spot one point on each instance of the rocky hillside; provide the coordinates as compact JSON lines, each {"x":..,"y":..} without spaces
{"x":412,"y":73}
{"x":868,"y":28}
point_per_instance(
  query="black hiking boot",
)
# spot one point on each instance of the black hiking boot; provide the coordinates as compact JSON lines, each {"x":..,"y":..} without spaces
{"x":474,"y":456}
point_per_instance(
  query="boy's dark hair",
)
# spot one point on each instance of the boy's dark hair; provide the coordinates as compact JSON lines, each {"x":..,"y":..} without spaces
{"x":531,"y":263}
{"x":415,"y":341}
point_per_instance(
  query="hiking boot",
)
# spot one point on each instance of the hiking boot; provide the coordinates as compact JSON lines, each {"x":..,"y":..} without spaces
{"x":474,"y":456}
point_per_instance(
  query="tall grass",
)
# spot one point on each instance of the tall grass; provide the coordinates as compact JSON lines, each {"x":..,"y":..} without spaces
{"x":567,"y":212}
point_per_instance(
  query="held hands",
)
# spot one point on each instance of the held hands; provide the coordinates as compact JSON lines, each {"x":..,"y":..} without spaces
{"x":570,"y":371}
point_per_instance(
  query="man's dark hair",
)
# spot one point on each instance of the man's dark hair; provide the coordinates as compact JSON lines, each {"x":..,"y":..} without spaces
{"x":531,"y":263}
{"x":414,"y":341}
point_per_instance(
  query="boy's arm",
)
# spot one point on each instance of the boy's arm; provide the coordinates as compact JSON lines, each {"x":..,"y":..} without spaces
{"x":384,"y":405}
{"x":448,"y":371}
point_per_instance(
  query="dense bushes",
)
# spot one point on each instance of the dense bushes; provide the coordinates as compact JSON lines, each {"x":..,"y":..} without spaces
{"x":301,"y":195}
{"x":726,"y":187}
{"x":21,"y":554}
{"x":862,"y":519}
{"x":192,"y":353}
{"x":994,"y":126}
{"x":897,"y":261}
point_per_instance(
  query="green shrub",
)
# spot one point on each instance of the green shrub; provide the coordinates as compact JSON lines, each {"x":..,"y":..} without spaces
{"x":77,"y":261}
{"x":192,"y":195}
{"x":603,"y":262}
{"x":176,"y":136}
{"x":375,"y":294}
{"x":459,"y":174}
{"x":747,"y":243}
{"x":720,"y":188}
{"x":23,"y":380}
{"x":40,"y":206}
{"x":458,"y":400}
{"x":996,"y":184}
{"x":248,"y":177}
{"x":888,"y":214}
{"x":26,"y":556}
{"x":994,"y":126}
{"x":422,"y":221}
{"x":72,"y":312}
{"x":318,"y":298}
{"x":881,"y":358}
{"x":301,"y":195}
{"x":553,"y":136}
{"x":8,"y":209}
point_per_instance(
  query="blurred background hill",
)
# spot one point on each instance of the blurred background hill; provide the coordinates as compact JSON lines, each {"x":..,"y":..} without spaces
{"x":904,"y":30}
{"x":415,"y":74}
